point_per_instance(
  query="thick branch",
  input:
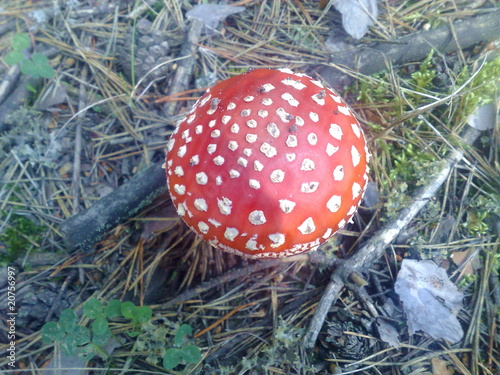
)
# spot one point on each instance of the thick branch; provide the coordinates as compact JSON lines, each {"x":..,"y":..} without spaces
{"x":367,"y":60}
{"x":87,"y":227}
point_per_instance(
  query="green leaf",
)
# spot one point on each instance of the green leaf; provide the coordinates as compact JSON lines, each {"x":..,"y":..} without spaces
{"x":82,"y":335}
{"x":46,"y":71}
{"x":101,"y":339}
{"x":113,"y":309}
{"x":93,"y":308}
{"x":31,"y":89}
{"x":182,"y":331}
{"x":171,"y":359}
{"x":39,"y":59}
{"x":87,"y":352}
{"x":51,"y":332}
{"x":42,"y":64}
{"x":191,"y":354}
{"x":69,"y":346}
{"x":100,"y":326}
{"x":29,"y":68}
{"x":144,"y":314}
{"x":133,"y":333}
{"x":14,"y":57}
{"x":129,"y":310}
{"x":68,"y":320}
{"x":20,"y":41}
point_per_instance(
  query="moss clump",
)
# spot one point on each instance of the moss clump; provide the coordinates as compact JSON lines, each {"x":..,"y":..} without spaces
{"x":19,"y":235}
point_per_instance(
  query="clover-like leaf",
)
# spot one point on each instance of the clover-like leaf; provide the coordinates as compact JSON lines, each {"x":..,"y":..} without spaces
{"x":144,"y":314}
{"x":171,"y":359}
{"x":93,"y":308}
{"x":190,"y":354}
{"x":14,"y":57}
{"x":113,"y":309}
{"x":129,"y":310}
{"x":20,"y":41}
{"x":101,"y":339}
{"x":68,"y":320}
{"x":81,"y":334}
{"x":41,"y":62}
{"x":183,"y":331}
{"x":51,"y":332}
{"x":87,"y":352}
{"x":29,"y":68}
{"x":69,"y":345}
{"x":100,"y":326}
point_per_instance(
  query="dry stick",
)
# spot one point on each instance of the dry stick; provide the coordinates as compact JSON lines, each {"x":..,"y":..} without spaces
{"x":184,"y":70}
{"x":376,"y":246}
{"x":413,"y":47}
{"x":87,"y":227}
{"x":9,"y":80}
{"x":316,"y":257}
{"x":210,"y":284}
{"x":75,"y":181}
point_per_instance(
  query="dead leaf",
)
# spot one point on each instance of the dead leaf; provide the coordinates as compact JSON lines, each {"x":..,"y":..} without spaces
{"x":387,"y":332}
{"x":212,"y":14}
{"x":485,"y":117}
{"x":441,"y":367}
{"x":357,"y":15}
{"x":467,"y":261}
{"x":430,"y":300}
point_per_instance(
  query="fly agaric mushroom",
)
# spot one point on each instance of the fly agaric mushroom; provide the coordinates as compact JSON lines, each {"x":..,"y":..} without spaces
{"x":267,"y":164}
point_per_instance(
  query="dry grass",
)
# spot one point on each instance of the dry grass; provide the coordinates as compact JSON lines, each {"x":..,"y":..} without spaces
{"x":106,"y":126}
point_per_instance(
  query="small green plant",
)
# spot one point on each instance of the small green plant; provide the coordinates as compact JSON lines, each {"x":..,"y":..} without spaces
{"x":87,"y":342}
{"x":482,"y":88}
{"x":18,"y":236}
{"x":37,"y":65}
{"x":137,"y":315}
{"x":72,"y":338}
{"x":283,"y":352}
{"x":425,"y":75}
{"x":151,"y":334}
{"x":182,"y":351}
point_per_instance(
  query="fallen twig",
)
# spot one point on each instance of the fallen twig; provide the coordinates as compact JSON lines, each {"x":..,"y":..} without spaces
{"x":313,"y":257}
{"x":413,"y":47}
{"x":88,"y":226}
{"x":376,"y":246}
{"x":185,"y":67}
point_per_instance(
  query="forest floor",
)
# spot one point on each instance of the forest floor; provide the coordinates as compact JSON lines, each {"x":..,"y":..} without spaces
{"x":91,"y":91}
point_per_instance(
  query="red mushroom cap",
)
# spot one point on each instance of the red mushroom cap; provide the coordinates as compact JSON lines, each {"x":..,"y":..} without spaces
{"x":267,"y":164}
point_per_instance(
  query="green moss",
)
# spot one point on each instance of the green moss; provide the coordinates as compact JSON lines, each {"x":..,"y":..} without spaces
{"x":18,"y":236}
{"x":424,"y":77}
{"x":481,"y":88}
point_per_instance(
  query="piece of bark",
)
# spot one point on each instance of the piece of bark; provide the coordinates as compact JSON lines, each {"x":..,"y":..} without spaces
{"x":86,"y":228}
{"x":368,"y":60}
